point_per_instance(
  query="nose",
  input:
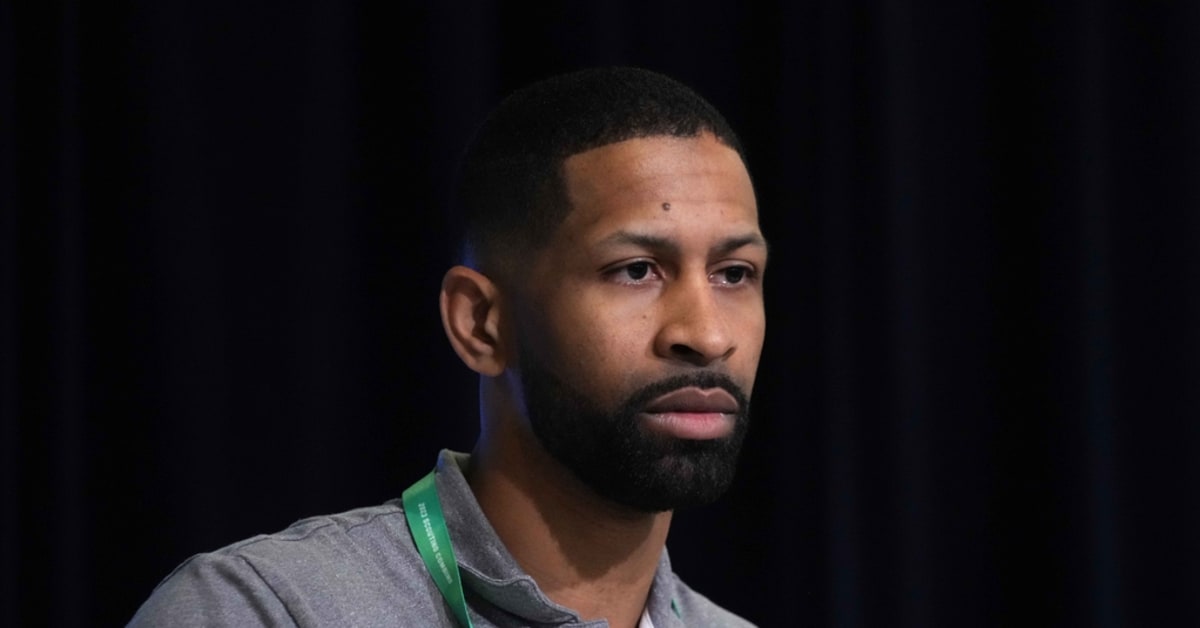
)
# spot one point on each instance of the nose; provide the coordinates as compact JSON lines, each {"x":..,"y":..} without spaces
{"x":694,"y":328}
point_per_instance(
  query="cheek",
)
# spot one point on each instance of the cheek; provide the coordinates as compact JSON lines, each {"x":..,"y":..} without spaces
{"x":600,"y":346}
{"x":749,"y":322}
{"x":753,"y":353}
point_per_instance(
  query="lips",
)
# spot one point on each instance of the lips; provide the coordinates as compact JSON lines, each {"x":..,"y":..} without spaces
{"x":692,"y":413}
{"x":693,"y":400}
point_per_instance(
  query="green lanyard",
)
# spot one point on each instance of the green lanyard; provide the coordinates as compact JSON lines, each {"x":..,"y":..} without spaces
{"x":423,"y":510}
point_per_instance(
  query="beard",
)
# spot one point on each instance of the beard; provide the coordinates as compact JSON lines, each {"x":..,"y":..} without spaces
{"x":611,"y":453}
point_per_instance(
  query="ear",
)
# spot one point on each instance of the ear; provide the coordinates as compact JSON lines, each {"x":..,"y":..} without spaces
{"x":472,"y":313}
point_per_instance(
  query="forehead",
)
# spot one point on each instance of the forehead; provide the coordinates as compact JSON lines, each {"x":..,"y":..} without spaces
{"x":660,"y":181}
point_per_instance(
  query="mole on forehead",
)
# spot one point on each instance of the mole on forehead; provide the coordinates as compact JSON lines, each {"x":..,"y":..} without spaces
{"x":666,"y":207}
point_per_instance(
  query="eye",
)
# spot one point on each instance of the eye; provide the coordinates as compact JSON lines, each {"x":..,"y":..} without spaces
{"x":634,"y":273}
{"x":733,"y":275}
{"x":637,"y":271}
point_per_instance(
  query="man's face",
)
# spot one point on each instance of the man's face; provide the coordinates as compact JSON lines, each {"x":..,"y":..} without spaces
{"x":641,"y":323}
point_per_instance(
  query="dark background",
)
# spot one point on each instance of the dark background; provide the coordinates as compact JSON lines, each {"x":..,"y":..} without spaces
{"x":224,"y":225}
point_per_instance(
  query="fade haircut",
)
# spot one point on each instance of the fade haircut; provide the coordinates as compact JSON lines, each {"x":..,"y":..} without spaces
{"x":512,"y":191}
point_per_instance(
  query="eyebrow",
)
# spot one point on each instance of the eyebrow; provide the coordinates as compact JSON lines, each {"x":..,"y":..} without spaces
{"x":656,"y":242}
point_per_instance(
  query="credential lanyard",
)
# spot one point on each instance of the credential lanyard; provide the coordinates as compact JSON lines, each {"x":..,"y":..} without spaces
{"x":423,"y":510}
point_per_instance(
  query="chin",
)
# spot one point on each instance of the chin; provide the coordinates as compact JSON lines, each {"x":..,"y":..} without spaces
{"x":610,"y":451}
{"x":693,"y":474}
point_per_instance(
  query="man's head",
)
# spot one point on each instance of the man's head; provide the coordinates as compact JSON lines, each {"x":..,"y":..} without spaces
{"x":620,"y":298}
{"x":511,"y":191}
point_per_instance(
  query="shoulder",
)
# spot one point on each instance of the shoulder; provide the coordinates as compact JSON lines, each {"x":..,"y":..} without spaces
{"x":321,"y":570}
{"x":364,"y":535}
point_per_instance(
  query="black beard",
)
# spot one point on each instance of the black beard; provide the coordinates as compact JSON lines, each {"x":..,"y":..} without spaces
{"x":612,"y":454}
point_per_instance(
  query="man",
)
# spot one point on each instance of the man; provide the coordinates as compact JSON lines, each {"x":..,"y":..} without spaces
{"x":611,"y":301}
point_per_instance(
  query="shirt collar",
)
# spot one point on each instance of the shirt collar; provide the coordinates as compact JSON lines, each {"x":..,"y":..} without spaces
{"x":492,"y":573}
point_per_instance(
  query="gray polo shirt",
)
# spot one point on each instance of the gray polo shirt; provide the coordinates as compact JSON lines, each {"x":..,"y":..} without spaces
{"x":361,"y":568}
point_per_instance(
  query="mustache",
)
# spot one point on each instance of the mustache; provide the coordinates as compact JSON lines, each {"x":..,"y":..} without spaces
{"x":700,"y":379}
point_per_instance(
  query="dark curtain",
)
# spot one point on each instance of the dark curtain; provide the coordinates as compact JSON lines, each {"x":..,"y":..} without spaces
{"x":223,"y":227}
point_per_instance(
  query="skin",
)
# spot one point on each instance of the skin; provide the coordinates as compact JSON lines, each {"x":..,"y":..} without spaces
{"x":656,"y":271}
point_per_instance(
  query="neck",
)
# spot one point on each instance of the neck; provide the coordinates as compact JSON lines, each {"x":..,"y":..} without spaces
{"x":585,"y":552}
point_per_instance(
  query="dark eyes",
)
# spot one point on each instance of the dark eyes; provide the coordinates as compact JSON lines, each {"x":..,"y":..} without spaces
{"x":641,"y":271}
{"x":734,"y":274}
{"x":637,"y":271}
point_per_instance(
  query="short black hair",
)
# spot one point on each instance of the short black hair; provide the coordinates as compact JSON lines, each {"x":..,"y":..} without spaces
{"x":511,"y":192}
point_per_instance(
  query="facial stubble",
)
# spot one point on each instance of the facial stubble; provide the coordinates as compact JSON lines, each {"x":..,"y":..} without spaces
{"x":614,"y":455}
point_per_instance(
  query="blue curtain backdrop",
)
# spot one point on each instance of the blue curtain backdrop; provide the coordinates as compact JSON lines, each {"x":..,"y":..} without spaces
{"x":223,"y":226}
